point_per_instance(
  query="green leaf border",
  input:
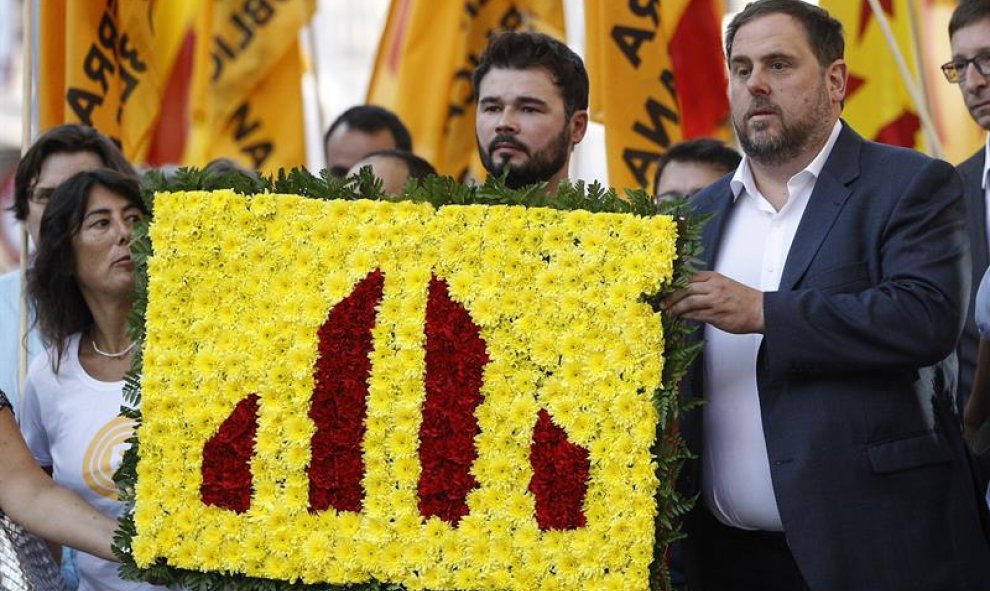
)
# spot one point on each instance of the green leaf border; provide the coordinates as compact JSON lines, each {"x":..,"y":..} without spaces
{"x":669,"y":449}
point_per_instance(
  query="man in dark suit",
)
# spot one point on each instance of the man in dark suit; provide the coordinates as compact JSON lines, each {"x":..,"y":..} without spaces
{"x":969,"y":34}
{"x":829,"y":455}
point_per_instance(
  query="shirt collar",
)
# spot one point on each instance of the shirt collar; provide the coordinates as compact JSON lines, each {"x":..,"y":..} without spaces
{"x":743,"y":177}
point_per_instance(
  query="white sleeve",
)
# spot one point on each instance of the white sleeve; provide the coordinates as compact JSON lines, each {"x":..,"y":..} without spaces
{"x":32,"y":420}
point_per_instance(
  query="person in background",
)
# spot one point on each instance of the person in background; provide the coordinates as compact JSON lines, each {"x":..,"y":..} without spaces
{"x":830,"y":454}
{"x":359,"y":131}
{"x":58,"y":154}
{"x":976,"y":418}
{"x":82,"y":291}
{"x":532,"y":93}
{"x":227,"y":169}
{"x":969,"y":36}
{"x":690,"y":166}
{"x":394,"y":168}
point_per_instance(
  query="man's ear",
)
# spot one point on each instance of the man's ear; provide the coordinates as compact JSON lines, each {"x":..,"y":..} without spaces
{"x":836,"y":76}
{"x":578,"y":126}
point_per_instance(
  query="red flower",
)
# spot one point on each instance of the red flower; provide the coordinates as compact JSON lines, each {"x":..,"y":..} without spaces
{"x":227,"y":459}
{"x":560,"y":476}
{"x":339,"y":404}
{"x":455,"y":359}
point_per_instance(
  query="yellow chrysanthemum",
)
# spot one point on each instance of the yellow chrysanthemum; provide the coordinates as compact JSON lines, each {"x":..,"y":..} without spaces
{"x":556,"y":297}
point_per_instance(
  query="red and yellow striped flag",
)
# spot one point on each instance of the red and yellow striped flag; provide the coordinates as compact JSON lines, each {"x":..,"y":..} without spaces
{"x":878,"y":104}
{"x":426,"y":56}
{"x":638,"y":58}
{"x":694,"y":30}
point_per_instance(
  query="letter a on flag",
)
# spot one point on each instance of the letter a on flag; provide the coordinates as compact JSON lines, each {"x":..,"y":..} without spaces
{"x":246,"y":97}
{"x":104,"y":63}
{"x":657,"y":76}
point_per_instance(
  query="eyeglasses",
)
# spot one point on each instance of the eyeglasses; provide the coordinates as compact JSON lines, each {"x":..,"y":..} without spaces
{"x":41,"y":195}
{"x":955,"y":71}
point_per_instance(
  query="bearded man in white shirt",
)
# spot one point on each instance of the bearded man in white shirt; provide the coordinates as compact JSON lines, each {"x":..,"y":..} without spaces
{"x":830,"y":456}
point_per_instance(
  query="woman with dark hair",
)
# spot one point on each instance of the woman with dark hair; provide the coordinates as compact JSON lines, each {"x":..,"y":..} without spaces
{"x":30,"y":498}
{"x":82,"y":291}
{"x":56,"y":155}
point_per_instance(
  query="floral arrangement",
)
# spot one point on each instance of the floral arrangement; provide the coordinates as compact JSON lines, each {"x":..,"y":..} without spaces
{"x":426,"y":394}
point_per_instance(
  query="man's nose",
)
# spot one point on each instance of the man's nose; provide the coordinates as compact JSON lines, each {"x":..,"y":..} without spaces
{"x":973,"y":78}
{"x":507,"y":122}
{"x":757,"y":82}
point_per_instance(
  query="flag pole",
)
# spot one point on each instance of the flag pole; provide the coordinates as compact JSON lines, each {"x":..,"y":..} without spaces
{"x":919,"y":59}
{"x":928,"y":127}
{"x":310,"y":36}
{"x":27,"y":98}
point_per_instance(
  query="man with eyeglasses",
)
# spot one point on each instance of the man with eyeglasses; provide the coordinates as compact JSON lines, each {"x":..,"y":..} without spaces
{"x":58,"y":154}
{"x":690,"y":166}
{"x":969,"y":34}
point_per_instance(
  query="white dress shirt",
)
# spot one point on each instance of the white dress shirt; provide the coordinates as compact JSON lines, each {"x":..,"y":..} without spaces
{"x":735,"y":469}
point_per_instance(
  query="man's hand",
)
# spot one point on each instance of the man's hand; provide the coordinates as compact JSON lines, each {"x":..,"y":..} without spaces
{"x":719,"y":301}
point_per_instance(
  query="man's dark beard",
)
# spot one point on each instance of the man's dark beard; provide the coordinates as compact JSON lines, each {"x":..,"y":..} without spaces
{"x":792,"y":140}
{"x":538,"y":169}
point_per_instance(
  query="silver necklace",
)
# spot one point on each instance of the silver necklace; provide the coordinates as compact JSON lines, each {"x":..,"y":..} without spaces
{"x":116,"y":355}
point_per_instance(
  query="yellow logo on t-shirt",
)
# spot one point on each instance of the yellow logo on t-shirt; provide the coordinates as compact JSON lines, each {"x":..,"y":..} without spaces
{"x":103,"y":456}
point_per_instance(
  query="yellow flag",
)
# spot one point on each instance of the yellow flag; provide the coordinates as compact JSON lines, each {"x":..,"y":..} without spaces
{"x":103,"y":63}
{"x":636,"y":98}
{"x":426,"y":56}
{"x":246,"y":93}
{"x":878,"y":104}
{"x":594,"y":58}
{"x":51,"y":64}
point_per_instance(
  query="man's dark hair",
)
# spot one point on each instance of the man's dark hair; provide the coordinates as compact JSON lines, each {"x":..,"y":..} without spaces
{"x":372,"y":118}
{"x":221,"y":172}
{"x":57,"y":296}
{"x":701,"y":150}
{"x":418,"y":167}
{"x":967,"y":13}
{"x":824,"y":32}
{"x":523,"y":50}
{"x":64,"y":139}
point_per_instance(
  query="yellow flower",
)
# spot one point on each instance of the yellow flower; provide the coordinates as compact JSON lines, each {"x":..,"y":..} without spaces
{"x":406,"y":469}
{"x":519,"y":507}
{"x":556,"y":297}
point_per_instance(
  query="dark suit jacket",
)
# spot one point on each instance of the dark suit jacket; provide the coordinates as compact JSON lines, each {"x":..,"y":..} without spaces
{"x":866,"y":459}
{"x":976,"y":226}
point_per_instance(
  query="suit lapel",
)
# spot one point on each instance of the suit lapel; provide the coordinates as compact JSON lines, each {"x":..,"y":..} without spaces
{"x":826,"y":201}
{"x":976,"y":209}
{"x":719,"y":203}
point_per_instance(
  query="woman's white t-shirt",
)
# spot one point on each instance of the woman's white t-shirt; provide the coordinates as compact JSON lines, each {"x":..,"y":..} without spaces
{"x":71,"y":423}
